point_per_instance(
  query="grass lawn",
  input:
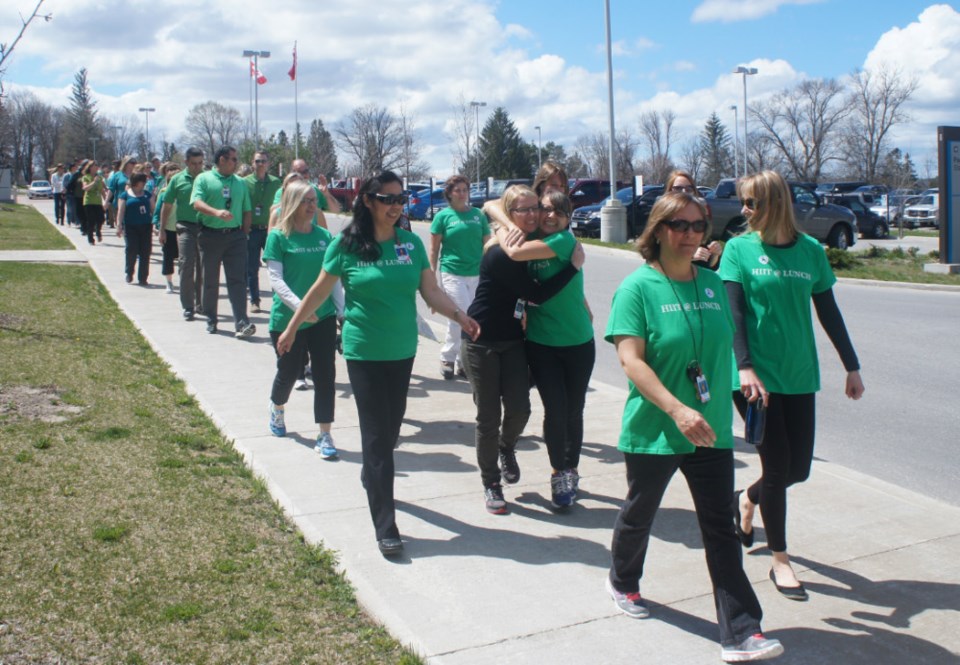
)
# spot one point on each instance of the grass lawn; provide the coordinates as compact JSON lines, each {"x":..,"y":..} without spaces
{"x":889,"y":265}
{"x":22,"y":227}
{"x":131,"y":531}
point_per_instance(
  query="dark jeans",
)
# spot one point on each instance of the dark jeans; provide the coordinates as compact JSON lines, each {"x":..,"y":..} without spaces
{"x":256,"y":241}
{"x":92,"y":220}
{"x":709,"y":474}
{"x":190,"y":266}
{"x":786,"y":454}
{"x":171,"y":252}
{"x":497,"y":372}
{"x":138,"y":243}
{"x":230,"y":250}
{"x":320,"y":340}
{"x":71,"y":204}
{"x":562,"y":374}
{"x":380,"y":392}
{"x":58,"y":206}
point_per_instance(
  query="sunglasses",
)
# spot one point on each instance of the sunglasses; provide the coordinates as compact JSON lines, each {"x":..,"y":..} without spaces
{"x":687,"y":189}
{"x":749,"y":203}
{"x":525,"y":211}
{"x":391,"y":199}
{"x":259,"y":161}
{"x":682,"y":225}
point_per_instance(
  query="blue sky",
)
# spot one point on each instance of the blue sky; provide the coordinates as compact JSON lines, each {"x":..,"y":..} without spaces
{"x":543,"y":61}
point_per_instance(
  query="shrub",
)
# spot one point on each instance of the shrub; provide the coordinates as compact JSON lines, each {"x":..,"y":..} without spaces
{"x":841,"y":259}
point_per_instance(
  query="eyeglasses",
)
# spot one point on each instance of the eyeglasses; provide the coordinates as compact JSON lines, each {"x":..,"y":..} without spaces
{"x":686,"y":189}
{"x":525,"y":211}
{"x":551,"y":209}
{"x":391,"y":199}
{"x":259,"y":161}
{"x":682,"y":225}
{"x":749,"y":203}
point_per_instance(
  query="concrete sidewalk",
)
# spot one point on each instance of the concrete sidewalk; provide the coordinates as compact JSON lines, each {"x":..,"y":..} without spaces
{"x":881,"y":563}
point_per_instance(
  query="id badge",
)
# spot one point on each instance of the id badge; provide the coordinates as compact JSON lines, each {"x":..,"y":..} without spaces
{"x":226,"y":193}
{"x":519,"y":309}
{"x":703,"y":390}
{"x":402,"y":255}
{"x":257,"y":211}
{"x":143,"y":210}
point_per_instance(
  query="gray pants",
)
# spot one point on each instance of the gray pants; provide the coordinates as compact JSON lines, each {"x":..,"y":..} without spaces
{"x":230,"y":250}
{"x":190,"y":267}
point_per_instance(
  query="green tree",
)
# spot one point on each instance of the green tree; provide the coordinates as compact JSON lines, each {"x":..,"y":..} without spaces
{"x":716,"y":157}
{"x":81,"y":120}
{"x":503,"y":154}
{"x":897,"y":170}
{"x":320,"y":151}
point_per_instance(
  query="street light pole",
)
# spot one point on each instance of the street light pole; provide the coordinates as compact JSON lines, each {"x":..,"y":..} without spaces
{"x":539,"y":147}
{"x":116,"y":140}
{"x":613,"y":215}
{"x":256,"y":55}
{"x":146,"y":111}
{"x":736,"y":142}
{"x":476,"y":106}
{"x":94,"y":142}
{"x":746,"y":71}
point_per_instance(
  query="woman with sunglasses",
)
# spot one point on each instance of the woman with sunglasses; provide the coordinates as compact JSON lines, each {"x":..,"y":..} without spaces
{"x":496,"y":362}
{"x":382,"y":268}
{"x":457,"y":236}
{"x":680,"y":181}
{"x":672,"y":329}
{"x":560,"y":347}
{"x":771,"y":273}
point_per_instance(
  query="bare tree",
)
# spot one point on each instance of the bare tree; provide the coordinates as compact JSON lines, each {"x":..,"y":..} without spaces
{"x":373,"y":136}
{"x":625,"y":146}
{"x":804,"y":123}
{"x":595,"y":152}
{"x":656,"y":130}
{"x":876,"y":106}
{"x":692,"y":157}
{"x":764,"y":155}
{"x":6,"y":50}
{"x":464,"y":135}
{"x":412,"y":166}
{"x":211,"y":125}
{"x":33,"y":133}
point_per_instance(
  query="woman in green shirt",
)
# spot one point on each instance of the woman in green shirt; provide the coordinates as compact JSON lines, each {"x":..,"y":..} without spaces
{"x":671,"y":325}
{"x":382,"y":268}
{"x":92,"y":184}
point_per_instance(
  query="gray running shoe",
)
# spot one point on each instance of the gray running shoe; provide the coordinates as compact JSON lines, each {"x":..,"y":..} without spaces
{"x":630,"y":604}
{"x":755,"y":647}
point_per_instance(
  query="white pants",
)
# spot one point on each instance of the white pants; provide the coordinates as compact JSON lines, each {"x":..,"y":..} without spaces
{"x":461,"y":291}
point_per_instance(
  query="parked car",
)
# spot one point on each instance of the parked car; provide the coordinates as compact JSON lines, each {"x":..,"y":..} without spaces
{"x":589,"y":191}
{"x":890,"y":207}
{"x":826,"y":188}
{"x":425,"y":203}
{"x":925,"y":212}
{"x":872,"y":190}
{"x":585,"y":221}
{"x":870,"y":224}
{"x":705,"y":191}
{"x":40,"y":189}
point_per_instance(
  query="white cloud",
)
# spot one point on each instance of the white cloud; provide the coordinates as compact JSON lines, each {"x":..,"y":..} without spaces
{"x":730,"y":11}
{"x":683,"y":66}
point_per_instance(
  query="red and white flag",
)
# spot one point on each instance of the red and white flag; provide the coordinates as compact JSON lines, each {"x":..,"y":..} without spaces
{"x":293,"y":70}
{"x":256,"y":73}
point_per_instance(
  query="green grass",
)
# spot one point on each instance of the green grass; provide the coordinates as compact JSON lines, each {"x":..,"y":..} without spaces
{"x":22,"y":227}
{"x":889,"y":265}
{"x":629,"y":246}
{"x":131,"y":531}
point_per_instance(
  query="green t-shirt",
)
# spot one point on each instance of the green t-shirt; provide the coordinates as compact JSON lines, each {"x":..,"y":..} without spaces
{"x":213,"y":189}
{"x":778,"y":283}
{"x":563,"y":320}
{"x":94,"y":195}
{"x":262,"y":193}
{"x":302,"y":257}
{"x":462,"y":246}
{"x":645,"y":305}
{"x":380,"y":307}
{"x":179,"y":190}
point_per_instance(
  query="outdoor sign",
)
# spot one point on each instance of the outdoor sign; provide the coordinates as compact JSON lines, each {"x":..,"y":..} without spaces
{"x":948,"y":149}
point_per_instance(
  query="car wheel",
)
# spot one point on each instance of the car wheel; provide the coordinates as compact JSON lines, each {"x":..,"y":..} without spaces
{"x":881,"y":230}
{"x":839,"y":237}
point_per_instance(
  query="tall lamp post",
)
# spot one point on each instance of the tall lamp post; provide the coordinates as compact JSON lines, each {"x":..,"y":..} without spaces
{"x":736,"y":142}
{"x":476,"y":106}
{"x":146,"y":111}
{"x":94,"y":142}
{"x":256,"y":55}
{"x":539,"y":147}
{"x":613,"y":216}
{"x":116,"y":140}
{"x":746,"y":71}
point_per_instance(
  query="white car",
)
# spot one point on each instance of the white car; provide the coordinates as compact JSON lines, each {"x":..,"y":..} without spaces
{"x":40,"y":189}
{"x":925,"y":212}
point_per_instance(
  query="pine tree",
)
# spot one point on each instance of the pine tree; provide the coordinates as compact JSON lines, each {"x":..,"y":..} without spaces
{"x":503,"y":154}
{"x":81,"y":121}
{"x":320,"y":150}
{"x":715,"y":146}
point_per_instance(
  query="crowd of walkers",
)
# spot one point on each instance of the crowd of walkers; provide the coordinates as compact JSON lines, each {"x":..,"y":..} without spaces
{"x":700,"y":329}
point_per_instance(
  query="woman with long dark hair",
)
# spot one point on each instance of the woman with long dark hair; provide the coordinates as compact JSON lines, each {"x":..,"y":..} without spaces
{"x":382,"y":268}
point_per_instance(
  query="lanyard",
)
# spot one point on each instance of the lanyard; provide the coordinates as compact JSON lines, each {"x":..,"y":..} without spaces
{"x":696,"y":288}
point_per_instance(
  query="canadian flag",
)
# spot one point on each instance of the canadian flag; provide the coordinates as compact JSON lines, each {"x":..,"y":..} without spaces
{"x":256,"y":73}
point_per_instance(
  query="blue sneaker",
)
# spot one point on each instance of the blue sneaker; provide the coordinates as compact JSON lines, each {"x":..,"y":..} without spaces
{"x":572,"y":477}
{"x":277,"y":425}
{"x":325,"y":446}
{"x":560,"y":494}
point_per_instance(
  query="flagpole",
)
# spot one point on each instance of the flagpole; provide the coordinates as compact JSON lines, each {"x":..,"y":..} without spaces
{"x":296,"y":111}
{"x":251,"y":76}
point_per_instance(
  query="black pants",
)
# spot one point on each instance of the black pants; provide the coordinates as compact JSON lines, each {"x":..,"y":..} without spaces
{"x":171,"y":252}
{"x":230,"y":251}
{"x":138,"y":244}
{"x":562,"y":374}
{"x":786,"y":454}
{"x":380,"y":392}
{"x":93,"y":220}
{"x":320,"y":340}
{"x":59,"y":206}
{"x":709,"y":474}
{"x":497,"y":372}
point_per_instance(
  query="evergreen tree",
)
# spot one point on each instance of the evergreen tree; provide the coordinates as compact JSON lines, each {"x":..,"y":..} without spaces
{"x":715,"y":148}
{"x":503,"y":154}
{"x":81,"y":121}
{"x":320,"y":151}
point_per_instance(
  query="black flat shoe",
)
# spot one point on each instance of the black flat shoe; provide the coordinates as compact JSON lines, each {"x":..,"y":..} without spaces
{"x":390,"y":546}
{"x":791,"y":592}
{"x":746,"y":539}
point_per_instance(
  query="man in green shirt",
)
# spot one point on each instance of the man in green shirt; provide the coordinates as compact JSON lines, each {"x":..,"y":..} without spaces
{"x":222,"y":202}
{"x":177,"y":198}
{"x":263,"y":187}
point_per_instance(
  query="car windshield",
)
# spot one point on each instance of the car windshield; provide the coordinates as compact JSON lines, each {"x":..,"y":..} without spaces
{"x":40,"y":183}
{"x":625,"y":196}
{"x":925,"y":201}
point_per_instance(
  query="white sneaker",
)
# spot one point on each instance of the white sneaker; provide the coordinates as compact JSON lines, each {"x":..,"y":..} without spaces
{"x":169,"y":287}
{"x":301,"y":385}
